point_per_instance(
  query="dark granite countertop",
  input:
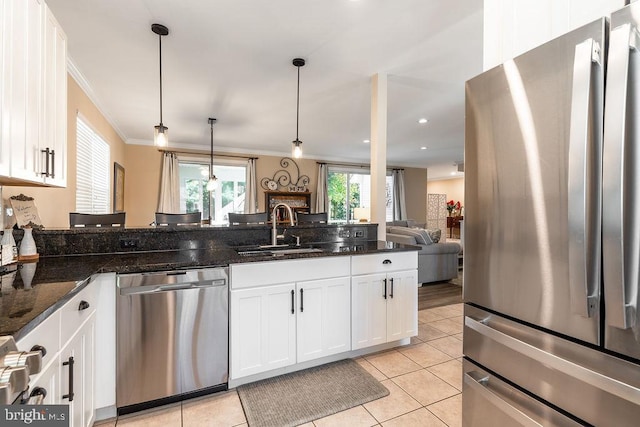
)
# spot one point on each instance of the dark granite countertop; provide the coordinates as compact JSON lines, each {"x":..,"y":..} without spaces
{"x":25,"y":301}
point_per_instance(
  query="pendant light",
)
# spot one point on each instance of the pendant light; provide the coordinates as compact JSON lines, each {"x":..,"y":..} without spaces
{"x":296,"y":149}
{"x":213,"y":181}
{"x":160,"y":135}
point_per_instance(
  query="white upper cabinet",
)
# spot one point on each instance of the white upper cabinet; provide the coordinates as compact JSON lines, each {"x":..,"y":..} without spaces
{"x":33,"y":101}
{"x":5,"y":93}
{"x":55,"y":104}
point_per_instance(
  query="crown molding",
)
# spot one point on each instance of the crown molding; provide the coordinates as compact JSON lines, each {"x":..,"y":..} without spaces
{"x":77,"y":75}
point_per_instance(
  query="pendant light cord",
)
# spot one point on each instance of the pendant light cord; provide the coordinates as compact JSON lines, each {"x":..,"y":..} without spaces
{"x":298,"y":105}
{"x":211,"y":153}
{"x":160,"y":48}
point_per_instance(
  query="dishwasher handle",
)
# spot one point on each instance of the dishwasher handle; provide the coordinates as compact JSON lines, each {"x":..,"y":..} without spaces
{"x":154,"y":289}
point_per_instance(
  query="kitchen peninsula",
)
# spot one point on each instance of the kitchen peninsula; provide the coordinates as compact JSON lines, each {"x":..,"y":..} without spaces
{"x":82,"y":266}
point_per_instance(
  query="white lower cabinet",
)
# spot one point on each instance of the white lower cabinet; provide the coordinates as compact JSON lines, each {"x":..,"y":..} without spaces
{"x":263,"y":329}
{"x":69,"y":365}
{"x":76,"y":378}
{"x":274,"y":325}
{"x":323,"y":318}
{"x":384,"y":305}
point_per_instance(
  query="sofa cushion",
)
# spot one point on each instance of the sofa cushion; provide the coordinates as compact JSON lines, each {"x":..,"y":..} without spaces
{"x":435,"y":234}
{"x":421,"y":235}
{"x":401,"y":223}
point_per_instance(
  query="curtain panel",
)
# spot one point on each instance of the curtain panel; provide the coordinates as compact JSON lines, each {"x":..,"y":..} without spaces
{"x":169,"y":200}
{"x":322,"y":192}
{"x":251,"y":188}
{"x":399,"y":203}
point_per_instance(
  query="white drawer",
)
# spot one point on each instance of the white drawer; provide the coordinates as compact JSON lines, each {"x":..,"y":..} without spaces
{"x":46,"y":334}
{"x":384,"y":262}
{"x":76,"y":311}
{"x":253,"y":274}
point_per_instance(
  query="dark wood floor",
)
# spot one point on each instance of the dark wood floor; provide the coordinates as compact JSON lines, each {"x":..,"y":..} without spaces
{"x":440,"y":293}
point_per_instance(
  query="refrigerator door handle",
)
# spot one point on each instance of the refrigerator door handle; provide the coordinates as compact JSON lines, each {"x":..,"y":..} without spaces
{"x":480,"y":383}
{"x":584,"y":171}
{"x":593,"y":378}
{"x":620,"y":256}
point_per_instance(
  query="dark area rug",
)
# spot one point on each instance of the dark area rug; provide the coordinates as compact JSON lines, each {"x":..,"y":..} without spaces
{"x":438,"y":294}
{"x":303,"y":396}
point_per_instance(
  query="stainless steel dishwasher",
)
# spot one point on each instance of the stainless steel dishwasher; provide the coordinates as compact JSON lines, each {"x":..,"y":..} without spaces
{"x":172,"y":336}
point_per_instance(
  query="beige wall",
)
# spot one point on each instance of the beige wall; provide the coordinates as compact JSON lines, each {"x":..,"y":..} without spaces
{"x":141,"y":184}
{"x":54,"y":204}
{"x":416,"y":193}
{"x":453,"y":188}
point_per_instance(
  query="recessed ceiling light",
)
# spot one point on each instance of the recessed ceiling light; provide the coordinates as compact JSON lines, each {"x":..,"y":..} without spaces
{"x":423,"y":148}
{"x":422,"y":121}
{"x":366,"y":141}
{"x":453,"y":173}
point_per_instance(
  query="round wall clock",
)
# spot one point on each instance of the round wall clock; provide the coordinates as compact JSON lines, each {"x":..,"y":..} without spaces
{"x":272,"y":185}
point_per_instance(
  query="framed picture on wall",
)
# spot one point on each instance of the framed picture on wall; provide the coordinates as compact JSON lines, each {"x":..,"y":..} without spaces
{"x":118,"y":188}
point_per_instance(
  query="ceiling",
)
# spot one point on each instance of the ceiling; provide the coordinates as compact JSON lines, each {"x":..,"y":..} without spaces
{"x":231,"y":59}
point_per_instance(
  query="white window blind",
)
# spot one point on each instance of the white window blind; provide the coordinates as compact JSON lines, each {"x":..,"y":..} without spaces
{"x":92,"y":184}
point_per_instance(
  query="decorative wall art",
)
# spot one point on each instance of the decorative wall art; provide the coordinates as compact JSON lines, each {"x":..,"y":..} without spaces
{"x":118,"y":188}
{"x":284,"y":180}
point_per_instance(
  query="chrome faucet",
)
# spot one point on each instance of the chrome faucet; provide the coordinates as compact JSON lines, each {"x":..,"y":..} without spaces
{"x":274,"y":223}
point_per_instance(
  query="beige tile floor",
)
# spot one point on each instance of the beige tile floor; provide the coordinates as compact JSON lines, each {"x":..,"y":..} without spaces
{"x":424,"y":380}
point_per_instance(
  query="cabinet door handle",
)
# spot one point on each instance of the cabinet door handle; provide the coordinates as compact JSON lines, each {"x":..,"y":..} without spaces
{"x":391,"y":294}
{"x":301,"y":300}
{"x":386,"y":261}
{"x":46,"y":162}
{"x":69,"y":363}
{"x":293,"y":304}
{"x":53,"y":163}
{"x":83,"y":305}
{"x":385,"y":288}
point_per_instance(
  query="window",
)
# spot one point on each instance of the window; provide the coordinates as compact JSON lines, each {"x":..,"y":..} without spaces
{"x":351,"y":188}
{"x":92,"y":183}
{"x":228,"y":197}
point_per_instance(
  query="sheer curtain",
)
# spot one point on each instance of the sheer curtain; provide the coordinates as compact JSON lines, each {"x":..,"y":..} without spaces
{"x":322,"y":194}
{"x":251,"y":188}
{"x":169,"y":200}
{"x":399,"y":204}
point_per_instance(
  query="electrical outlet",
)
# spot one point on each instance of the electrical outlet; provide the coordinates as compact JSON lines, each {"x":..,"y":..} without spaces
{"x":344,"y":233}
{"x":128,"y":243}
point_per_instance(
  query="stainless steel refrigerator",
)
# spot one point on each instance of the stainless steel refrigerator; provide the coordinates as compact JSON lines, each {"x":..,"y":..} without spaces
{"x":552,"y":233}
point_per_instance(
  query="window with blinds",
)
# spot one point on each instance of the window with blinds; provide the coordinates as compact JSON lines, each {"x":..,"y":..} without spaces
{"x":92,"y":183}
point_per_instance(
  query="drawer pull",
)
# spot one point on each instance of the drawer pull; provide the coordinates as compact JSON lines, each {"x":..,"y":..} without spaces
{"x":386,"y":261}
{"x":36,"y":397}
{"x":39,"y":348}
{"x":83,"y":305}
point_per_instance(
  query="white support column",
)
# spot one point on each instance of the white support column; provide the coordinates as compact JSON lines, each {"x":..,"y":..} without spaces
{"x":379,"y":152}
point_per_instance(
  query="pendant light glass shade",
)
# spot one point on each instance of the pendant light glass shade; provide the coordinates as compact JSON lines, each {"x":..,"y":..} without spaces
{"x":296,"y":149}
{"x":212,"y":184}
{"x":160,"y":134}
